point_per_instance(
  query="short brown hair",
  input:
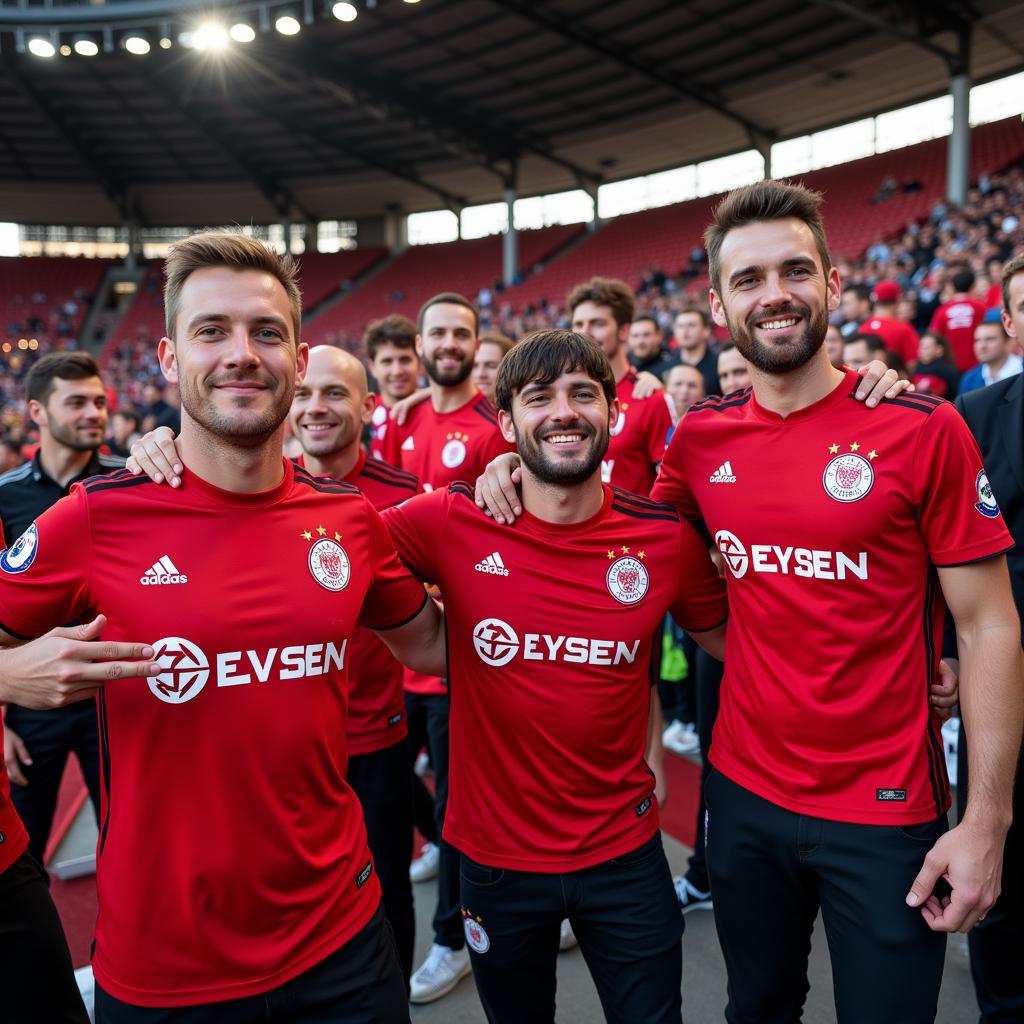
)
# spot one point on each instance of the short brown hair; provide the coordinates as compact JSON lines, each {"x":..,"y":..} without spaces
{"x":451,"y":299}
{"x":763,"y":201}
{"x":1011,"y":270}
{"x":543,"y":356}
{"x":503,"y":341}
{"x":605,"y":291}
{"x":39,"y":383}
{"x":692,"y":307}
{"x":395,"y":330}
{"x":235,"y":251}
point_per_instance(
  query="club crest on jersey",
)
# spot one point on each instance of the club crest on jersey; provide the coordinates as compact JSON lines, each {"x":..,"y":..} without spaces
{"x":454,"y":451}
{"x":329,"y":564}
{"x":476,"y":938}
{"x":848,"y":477}
{"x":22,"y":553}
{"x":627,"y":578}
{"x":987,"y":504}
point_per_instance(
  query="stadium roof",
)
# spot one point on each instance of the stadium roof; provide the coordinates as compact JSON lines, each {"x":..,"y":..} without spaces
{"x":444,"y":102}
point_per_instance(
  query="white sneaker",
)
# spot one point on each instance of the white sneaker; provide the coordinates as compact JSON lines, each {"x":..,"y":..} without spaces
{"x":424,"y":867}
{"x":680,"y":738}
{"x":567,"y":937}
{"x":442,"y":970}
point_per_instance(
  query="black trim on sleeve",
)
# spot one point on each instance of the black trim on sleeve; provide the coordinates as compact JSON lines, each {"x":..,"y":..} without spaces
{"x":384,"y":473}
{"x":17,"y":636}
{"x":461,"y":487}
{"x":973,"y":561}
{"x":934,"y":750}
{"x":717,"y":404}
{"x":95,"y":484}
{"x":637,"y":514}
{"x":396,"y":625}
{"x":705,"y":629}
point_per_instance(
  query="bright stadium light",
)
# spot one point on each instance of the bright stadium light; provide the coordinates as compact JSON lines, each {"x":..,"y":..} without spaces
{"x":86,"y":47}
{"x":65,"y":50}
{"x":211,"y":35}
{"x":165,"y":43}
{"x":138,"y":45}
{"x":39,"y":46}
{"x":345,"y":11}
{"x":242,"y":33}
{"x":287,"y":25}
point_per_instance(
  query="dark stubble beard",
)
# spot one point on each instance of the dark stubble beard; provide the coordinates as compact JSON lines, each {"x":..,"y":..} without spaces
{"x":785,"y":358}
{"x":238,"y":428}
{"x":447,"y":380}
{"x":562,"y":473}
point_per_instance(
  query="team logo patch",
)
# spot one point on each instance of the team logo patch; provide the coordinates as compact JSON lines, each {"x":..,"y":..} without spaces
{"x":329,"y":564}
{"x":987,"y":504}
{"x":186,"y":670}
{"x":848,"y":477}
{"x":22,"y":553}
{"x":627,"y":580}
{"x":454,"y":452}
{"x":496,"y":642}
{"x":476,"y":938}
{"x":733,"y":551}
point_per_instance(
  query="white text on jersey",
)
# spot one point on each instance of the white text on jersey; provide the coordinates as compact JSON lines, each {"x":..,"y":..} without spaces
{"x":492,"y":564}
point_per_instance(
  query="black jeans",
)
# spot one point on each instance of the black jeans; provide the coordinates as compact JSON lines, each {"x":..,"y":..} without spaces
{"x":771,"y":869}
{"x":38,"y":982}
{"x":361,"y":983}
{"x":624,"y":914}
{"x":707,"y":672}
{"x":51,"y":736}
{"x":427,"y":715}
{"x":383,"y":782}
{"x":995,"y":944}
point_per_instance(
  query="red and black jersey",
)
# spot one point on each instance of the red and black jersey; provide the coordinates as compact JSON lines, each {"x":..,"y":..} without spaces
{"x":638,"y":439}
{"x":957,"y":320}
{"x":831,"y":523}
{"x":898,"y":335}
{"x":232,"y":853}
{"x":549,"y":641}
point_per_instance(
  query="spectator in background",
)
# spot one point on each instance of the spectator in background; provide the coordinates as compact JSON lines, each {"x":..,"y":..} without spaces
{"x":158,"y":411}
{"x":493,"y":348}
{"x":991,"y":349}
{"x":733,"y":369}
{"x":391,"y":350}
{"x":898,"y":335}
{"x":958,"y":317}
{"x":10,"y":454}
{"x":124,"y":432}
{"x":855,"y":308}
{"x":684,"y":385}
{"x":691,"y":334}
{"x":645,"y":350}
{"x":860,"y":349}
{"x":936,"y":373}
{"x":833,"y":346}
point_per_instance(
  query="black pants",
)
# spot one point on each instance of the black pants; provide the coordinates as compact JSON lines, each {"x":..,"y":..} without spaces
{"x":995,"y":944}
{"x":707,"y":673}
{"x":38,"y":984}
{"x":50,"y":737}
{"x":383,"y":782}
{"x":624,"y":914}
{"x":361,"y":983}
{"x":427,"y":715}
{"x":771,"y":869}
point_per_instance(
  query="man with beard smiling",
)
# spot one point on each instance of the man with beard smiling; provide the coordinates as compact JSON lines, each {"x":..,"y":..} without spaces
{"x":551,"y":803}
{"x":842,"y":531}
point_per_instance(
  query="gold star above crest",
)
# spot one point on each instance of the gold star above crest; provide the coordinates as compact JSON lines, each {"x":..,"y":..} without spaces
{"x":641,"y":555}
{"x":872,"y":454}
{"x":625,"y":550}
{"x":611,"y":554}
{"x":337,"y":536}
{"x":854,"y":447}
{"x":306,"y":535}
{"x":833,"y":449}
{"x":320,"y":531}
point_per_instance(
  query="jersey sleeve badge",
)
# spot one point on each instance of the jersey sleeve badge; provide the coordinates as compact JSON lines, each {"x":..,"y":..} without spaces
{"x":987,"y":504}
{"x":22,"y":553}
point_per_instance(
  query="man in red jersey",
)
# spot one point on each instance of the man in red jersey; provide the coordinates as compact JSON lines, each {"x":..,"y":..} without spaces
{"x":391,"y":349}
{"x":898,"y":335}
{"x":226,"y":814}
{"x":842,"y":531}
{"x":450,"y":437}
{"x":956,"y":319}
{"x":602,"y":308}
{"x":550,"y":624}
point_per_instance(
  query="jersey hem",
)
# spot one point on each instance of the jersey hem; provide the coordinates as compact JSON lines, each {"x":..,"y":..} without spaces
{"x":403,"y":622}
{"x":965,"y":558}
{"x":240,"y":990}
{"x":16,"y":635}
{"x":378,"y":741}
{"x":552,"y":866}
{"x":827,"y":812}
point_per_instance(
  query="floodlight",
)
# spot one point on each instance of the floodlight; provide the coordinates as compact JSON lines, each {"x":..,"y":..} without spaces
{"x":86,"y":47}
{"x":139,"y":45}
{"x":65,"y":50}
{"x":210,"y":35}
{"x":345,"y":11}
{"x":287,"y":25}
{"x":39,"y":46}
{"x":242,"y":33}
{"x":165,"y":43}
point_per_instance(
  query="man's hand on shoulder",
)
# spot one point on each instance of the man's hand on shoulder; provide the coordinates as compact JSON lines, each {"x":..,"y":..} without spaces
{"x":646,"y":385}
{"x":156,"y":455}
{"x":878,"y":382}
{"x":496,"y":491}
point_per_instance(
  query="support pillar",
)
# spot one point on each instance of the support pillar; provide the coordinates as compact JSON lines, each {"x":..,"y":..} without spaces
{"x":959,"y":157}
{"x":510,"y":241}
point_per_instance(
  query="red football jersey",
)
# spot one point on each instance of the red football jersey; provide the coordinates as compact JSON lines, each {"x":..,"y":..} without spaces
{"x":831,"y":523}
{"x":638,"y":439}
{"x":232,"y":853}
{"x":549,"y":638}
{"x":898,"y":335}
{"x":957,"y":319}
{"x":13,"y":837}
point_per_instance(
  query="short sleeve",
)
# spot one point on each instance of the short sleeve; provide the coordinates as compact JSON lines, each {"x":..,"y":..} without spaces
{"x":44,"y":573}
{"x":394,"y":597}
{"x":700,"y":601}
{"x":417,"y":531}
{"x":671,"y":485}
{"x":957,"y":512}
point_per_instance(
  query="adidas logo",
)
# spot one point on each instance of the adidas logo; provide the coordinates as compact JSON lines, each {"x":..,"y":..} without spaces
{"x":724,"y":474}
{"x":492,"y":564}
{"x":162,"y":571}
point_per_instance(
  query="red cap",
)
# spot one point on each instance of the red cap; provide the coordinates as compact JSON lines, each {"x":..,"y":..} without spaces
{"x":887,"y":291}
